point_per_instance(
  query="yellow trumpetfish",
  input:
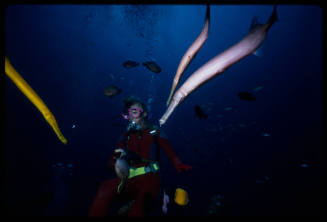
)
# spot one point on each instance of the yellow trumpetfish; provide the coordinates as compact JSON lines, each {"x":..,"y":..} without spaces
{"x":33,"y":97}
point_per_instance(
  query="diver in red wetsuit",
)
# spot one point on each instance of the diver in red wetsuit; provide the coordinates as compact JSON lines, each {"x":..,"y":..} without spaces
{"x":143,"y":183}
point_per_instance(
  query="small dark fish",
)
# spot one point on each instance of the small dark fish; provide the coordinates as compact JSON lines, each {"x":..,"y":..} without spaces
{"x":130,"y":64}
{"x":112,"y":91}
{"x":152,"y":66}
{"x":246,"y":96}
{"x":199,"y":112}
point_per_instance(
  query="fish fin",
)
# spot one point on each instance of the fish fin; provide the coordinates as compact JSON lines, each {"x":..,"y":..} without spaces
{"x":259,"y":51}
{"x":254,"y":23}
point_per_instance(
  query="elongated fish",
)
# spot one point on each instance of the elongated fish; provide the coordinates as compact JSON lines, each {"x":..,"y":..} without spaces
{"x":221,"y":62}
{"x":26,"y":89}
{"x":191,"y":53}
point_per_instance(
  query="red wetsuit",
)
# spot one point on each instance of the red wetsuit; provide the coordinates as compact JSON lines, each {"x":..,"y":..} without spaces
{"x":143,"y":188}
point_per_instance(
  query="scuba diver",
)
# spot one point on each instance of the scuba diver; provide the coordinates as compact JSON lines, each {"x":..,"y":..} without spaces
{"x":139,"y":178}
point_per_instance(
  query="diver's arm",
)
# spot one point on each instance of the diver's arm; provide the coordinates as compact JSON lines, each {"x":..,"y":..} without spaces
{"x":167,"y":148}
{"x":172,"y":156}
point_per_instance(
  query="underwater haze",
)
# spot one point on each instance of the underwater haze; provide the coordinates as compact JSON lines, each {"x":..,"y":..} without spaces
{"x":250,"y":157}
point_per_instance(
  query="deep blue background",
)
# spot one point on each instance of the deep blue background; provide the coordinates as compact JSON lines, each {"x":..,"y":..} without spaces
{"x":70,"y":53}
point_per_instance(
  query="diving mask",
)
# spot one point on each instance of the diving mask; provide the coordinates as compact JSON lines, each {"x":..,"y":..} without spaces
{"x":134,"y":112}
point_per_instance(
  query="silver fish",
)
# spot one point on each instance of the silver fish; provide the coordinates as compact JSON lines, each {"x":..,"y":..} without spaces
{"x":191,"y":53}
{"x":122,"y":168}
{"x":249,"y":44}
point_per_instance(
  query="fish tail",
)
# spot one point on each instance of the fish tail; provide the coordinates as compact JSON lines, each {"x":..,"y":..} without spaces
{"x":208,"y":12}
{"x":273,"y":18}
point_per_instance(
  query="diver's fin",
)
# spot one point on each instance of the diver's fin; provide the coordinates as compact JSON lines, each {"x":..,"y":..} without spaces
{"x":123,"y":211}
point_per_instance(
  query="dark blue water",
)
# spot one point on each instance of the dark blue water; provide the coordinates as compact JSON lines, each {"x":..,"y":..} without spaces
{"x":263,"y":157}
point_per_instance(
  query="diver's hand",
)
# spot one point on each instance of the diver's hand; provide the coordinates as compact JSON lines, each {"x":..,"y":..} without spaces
{"x":119,"y":153}
{"x":183,"y":167}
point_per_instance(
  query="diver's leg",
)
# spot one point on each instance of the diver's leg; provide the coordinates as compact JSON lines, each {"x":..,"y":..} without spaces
{"x":105,"y":193}
{"x":148,"y":187}
{"x":137,"y":210}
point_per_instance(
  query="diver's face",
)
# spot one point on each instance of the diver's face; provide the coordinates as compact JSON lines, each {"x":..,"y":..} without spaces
{"x":135,"y":113}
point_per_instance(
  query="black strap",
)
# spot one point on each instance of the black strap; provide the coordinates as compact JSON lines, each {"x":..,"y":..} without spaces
{"x":126,"y":138}
{"x":156,"y":143}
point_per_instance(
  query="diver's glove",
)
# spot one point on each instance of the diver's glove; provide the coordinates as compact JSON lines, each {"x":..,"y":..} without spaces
{"x":182,"y":167}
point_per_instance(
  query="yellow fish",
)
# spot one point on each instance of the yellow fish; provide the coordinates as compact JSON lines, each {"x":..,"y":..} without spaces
{"x":33,"y":97}
{"x":181,"y":197}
